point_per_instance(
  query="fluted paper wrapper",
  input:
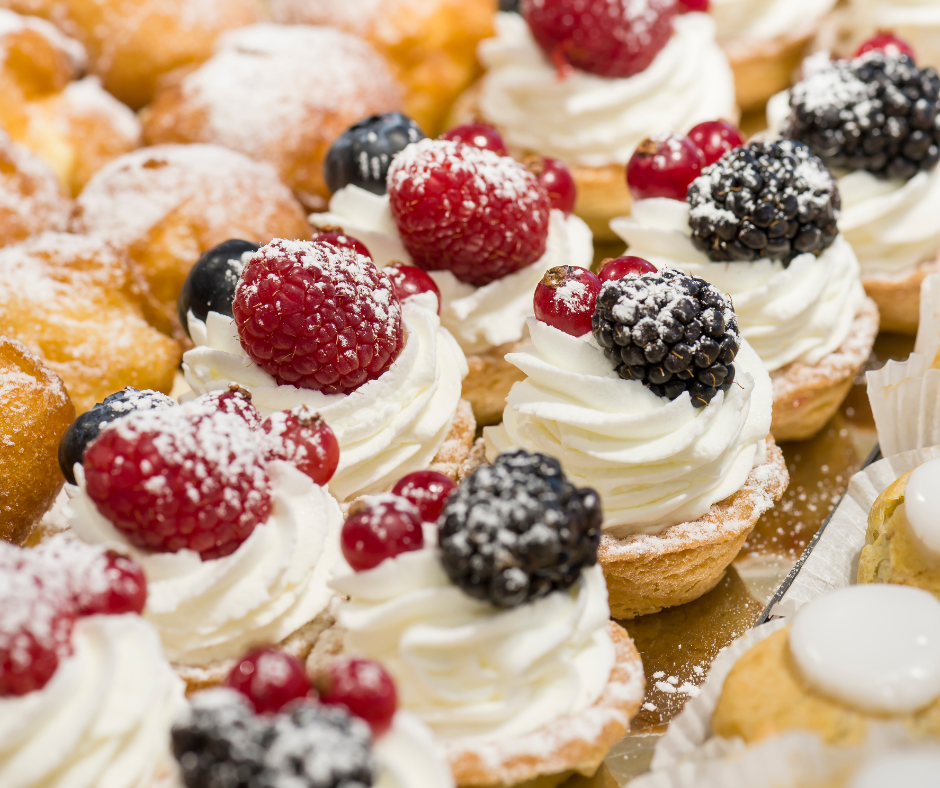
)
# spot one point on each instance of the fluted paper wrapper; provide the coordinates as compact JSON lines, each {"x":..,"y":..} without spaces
{"x":905,"y":395}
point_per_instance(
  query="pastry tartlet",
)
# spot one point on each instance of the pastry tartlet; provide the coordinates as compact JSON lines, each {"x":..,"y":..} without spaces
{"x":679,"y":451}
{"x":164,"y":206}
{"x":523,"y":595}
{"x":885,"y":159}
{"x":278,"y":93}
{"x":431,"y":46}
{"x":484,"y":305}
{"x":795,"y":282}
{"x":592,"y":119}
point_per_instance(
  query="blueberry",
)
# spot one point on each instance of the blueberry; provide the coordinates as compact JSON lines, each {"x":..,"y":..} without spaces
{"x":86,"y":427}
{"x":210,"y":284}
{"x":509,"y":5}
{"x":362,"y":154}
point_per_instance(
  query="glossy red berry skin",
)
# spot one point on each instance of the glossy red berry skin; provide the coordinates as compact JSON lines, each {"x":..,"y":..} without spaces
{"x":126,"y":590}
{"x":364,"y":688}
{"x":479,"y":135}
{"x":340,"y":239}
{"x":408,"y":280}
{"x":304,"y":439}
{"x":664,"y":167}
{"x":715,"y":138}
{"x":610,"y":38}
{"x":270,"y":679}
{"x":427,"y":490}
{"x":692,"y":6}
{"x":380,"y":528}
{"x":888,"y":43}
{"x":625,"y":266}
{"x":565,"y":299}
{"x":557,"y":181}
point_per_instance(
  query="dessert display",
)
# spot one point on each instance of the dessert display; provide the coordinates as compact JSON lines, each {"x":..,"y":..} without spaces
{"x":31,"y":198}
{"x":35,"y":410}
{"x":647,"y":70}
{"x":872,"y":120}
{"x":485,"y":261}
{"x":72,"y":124}
{"x":430,"y":45}
{"x":166,"y":205}
{"x":278,"y":93}
{"x":494,"y":624}
{"x":761,"y":222}
{"x":132,"y":43}
{"x":87,"y":698}
{"x":318,"y":326}
{"x":225,"y":513}
{"x":77,"y":304}
{"x":665,"y":409}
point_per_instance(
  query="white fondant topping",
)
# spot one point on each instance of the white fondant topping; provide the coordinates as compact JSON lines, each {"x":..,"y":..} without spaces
{"x":911,"y":770}
{"x":921,"y":504}
{"x":874,"y":647}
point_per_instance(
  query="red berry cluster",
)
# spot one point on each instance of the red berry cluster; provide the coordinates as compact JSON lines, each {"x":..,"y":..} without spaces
{"x":272,"y":679}
{"x":887,"y":42}
{"x":44,"y":591}
{"x":195,"y":477}
{"x":666,"y":166}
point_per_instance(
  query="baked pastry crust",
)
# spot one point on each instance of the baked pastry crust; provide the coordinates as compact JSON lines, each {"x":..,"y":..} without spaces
{"x":807,"y":396}
{"x":764,"y":68}
{"x":648,"y":572}
{"x":489,"y":381}
{"x":898,"y":298}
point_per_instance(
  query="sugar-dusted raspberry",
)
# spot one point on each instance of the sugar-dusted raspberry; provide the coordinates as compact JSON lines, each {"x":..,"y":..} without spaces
{"x":557,"y":180}
{"x":427,"y":490}
{"x":664,"y":167}
{"x":270,"y":679}
{"x":236,"y":401}
{"x":304,"y":439}
{"x":565,"y":299}
{"x":479,"y":135}
{"x":611,"y":38}
{"x":191,"y":477}
{"x":408,"y":280}
{"x":467,"y":210}
{"x":364,"y":688}
{"x":338,"y":237}
{"x":378,"y":528}
{"x":316,"y":316}
{"x":628,"y":265}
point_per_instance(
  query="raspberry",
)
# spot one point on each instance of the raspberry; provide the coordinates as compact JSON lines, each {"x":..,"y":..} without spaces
{"x":565,"y":299}
{"x":479,"y":135}
{"x":888,"y":43}
{"x":691,"y":6}
{"x":364,"y":688}
{"x":628,"y":265}
{"x":336,"y":236}
{"x":611,"y":38}
{"x":428,"y":491}
{"x":556,"y":179}
{"x":305,"y":440}
{"x":378,"y":528}
{"x":409,"y":280}
{"x":270,"y":679}
{"x":467,"y":210}
{"x":123,"y":590}
{"x":190,"y":477}
{"x":318,"y":317}
{"x":715,"y":138}
{"x":236,"y":401}
{"x":664,"y":167}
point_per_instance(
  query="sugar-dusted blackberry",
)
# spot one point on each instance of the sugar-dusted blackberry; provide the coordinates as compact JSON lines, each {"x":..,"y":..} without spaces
{"x":877,"y":112}
{"x":222,"y":743}
{"x":773,"y":200}
{"x":86,"y":427}
{"x":518,"y":529}
{"x":210,"y":283}
{"x":362,"y":154}
{"x":671,"y":331}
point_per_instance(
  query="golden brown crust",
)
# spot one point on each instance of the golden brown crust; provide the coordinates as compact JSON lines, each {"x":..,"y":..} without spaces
{"x":35,"y":410}
{"x":806,"y":397}
{"x":898,"y":299}
{"x":458,"y":455}
{"x":646,"y":573}
{"x":489,"y":381}
{"x":763,"y":68}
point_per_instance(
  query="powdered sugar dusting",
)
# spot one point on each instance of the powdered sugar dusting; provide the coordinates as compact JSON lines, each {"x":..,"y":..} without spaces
{"x":88,"y":97}
{"x":832,"y":88}
{"x":31,"y":199}
{"x":12,"y":23}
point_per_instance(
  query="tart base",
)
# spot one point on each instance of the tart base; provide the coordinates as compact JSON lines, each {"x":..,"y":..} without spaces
{"x":764,"y":68}
{"x":807,"y":396}
{"x":489,"y":381}
{"x":898,"y":299}
{"x":648,"y":572}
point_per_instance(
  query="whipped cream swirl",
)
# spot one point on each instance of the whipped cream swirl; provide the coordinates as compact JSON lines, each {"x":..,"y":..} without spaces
{"x":468,"y":669}
{"x":594,"y":121}
{"x":802,"y":312}
{"x":387,"y":428}
{"x":747,"y":21}
{"x":409,"y":757}
{"x":104,"y":718}
{"x":892,"y":225}
{"x":273,"y":584}
{"x":654,"y":462}
{"x":480,"y":318}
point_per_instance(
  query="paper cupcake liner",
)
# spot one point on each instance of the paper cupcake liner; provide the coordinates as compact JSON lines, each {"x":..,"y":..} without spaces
{"x":833,"y":563}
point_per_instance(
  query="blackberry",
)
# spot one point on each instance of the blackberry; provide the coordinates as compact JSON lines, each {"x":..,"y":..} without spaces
{"x":222,"y":743}
{"x":210,"y":283}
{"x":877,"y":112}
{"x":671,"y":331}
{"x":518,"y":529}
{"x":362,"y":154}
{"x":773,"y":200}
{"x":86,"y":427}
